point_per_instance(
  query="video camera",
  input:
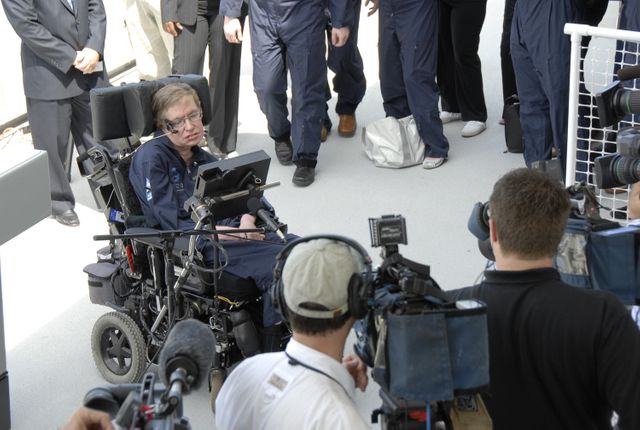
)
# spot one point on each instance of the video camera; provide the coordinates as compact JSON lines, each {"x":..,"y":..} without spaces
{"x":185,"y":361}
{"x":425,"y":350}
{"x":614,"y":103}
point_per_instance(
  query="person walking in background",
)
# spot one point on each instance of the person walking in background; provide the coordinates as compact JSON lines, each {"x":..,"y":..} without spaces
{"x":289,"y":36}
{"x":196,"y":24}
{"x":459,"y":67}
{"x":152,"y":46}
{"x":349,"y":81}
{"x":62,"y":52}
{"x":540,"y":52}
{"x":408,"y":63}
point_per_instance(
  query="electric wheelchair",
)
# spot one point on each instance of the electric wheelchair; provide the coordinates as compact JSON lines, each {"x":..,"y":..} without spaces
{"x":150,"y":278}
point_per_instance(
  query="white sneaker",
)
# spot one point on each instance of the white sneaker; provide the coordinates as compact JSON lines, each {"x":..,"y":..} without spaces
{"x":473,"y":128}
{"x":446,"y":117}
{"x":433,"y":162}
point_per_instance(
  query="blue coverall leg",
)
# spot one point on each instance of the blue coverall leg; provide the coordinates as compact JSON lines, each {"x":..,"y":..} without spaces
{"x":290,"y":35}
{"x":269,"y":73}
{"x":346,"y":62}
{"x":541,"y":52}
{"x":629,"y":20}
{"x":408,"y":51}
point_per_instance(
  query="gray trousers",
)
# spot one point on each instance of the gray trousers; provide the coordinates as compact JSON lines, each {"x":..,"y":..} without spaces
{"x":224,"y":74}
{"x":51,"y":121}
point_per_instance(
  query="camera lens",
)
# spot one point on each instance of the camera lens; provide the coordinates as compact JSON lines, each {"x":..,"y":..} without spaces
{"x":616,"y":171}
{"x":626,"y":170}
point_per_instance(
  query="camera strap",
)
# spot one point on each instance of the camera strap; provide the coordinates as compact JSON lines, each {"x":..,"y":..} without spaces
{"x":296,"y":362}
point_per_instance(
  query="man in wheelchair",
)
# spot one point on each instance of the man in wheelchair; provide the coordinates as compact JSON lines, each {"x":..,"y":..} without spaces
{"x":163,"y":173}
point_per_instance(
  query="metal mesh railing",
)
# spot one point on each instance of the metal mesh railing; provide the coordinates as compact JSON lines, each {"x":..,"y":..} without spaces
{"x":593,"y":68}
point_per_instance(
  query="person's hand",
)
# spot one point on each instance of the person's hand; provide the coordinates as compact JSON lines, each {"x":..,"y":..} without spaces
{"x":88,"y":419}
{"x":86,"y":60}
{"x":232,"y":30}
{"x":339,"y":36}
{"x":249,"y":221}
{"x":172,"y":27}
{"x":374,"y":6}
{"x":357,"y":369}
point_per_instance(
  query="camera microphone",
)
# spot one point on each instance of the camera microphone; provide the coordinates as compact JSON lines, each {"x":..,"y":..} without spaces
{"x":186,"y":357}
{"x":629,"y":73}
{"x":256,"y":207}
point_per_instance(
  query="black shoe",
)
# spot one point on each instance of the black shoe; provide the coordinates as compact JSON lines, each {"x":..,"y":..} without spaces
{"x":304,"y":176}
{"x":68,"y":217}
{"x":284,"y":151}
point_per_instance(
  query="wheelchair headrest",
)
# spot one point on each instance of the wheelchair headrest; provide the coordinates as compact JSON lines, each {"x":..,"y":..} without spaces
{"x":125,"y":111}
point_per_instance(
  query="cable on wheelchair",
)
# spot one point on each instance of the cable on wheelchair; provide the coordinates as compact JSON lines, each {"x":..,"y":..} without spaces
{"x":203,"y":269}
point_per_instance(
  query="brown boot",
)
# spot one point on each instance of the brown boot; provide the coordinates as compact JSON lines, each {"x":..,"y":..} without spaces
{"x":324,"y":133}
{"x":347,"y":126}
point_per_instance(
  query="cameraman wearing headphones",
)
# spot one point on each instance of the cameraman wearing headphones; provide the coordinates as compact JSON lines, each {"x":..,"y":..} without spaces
{"x":310,"y":384}
{"x":561,"y":357}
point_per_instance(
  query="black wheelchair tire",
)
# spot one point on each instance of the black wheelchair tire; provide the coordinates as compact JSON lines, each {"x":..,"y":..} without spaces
{"x":118,"y":348}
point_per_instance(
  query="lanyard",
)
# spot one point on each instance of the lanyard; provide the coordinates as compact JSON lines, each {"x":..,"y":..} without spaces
{"x":296,"y":362}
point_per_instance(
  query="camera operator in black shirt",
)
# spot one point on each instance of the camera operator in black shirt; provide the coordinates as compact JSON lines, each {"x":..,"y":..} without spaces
{"x":560,"y":357}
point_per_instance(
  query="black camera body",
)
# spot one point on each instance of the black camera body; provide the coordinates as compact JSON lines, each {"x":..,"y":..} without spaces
{"x":146,"y":406}
{"x":622,"y":168}
{"x":614,"y":103}
{"x":185,"y":359}
{"x":397,"y":272}
{"x":410,"y":321}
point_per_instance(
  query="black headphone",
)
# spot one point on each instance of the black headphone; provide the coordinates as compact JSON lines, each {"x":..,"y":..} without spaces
{"x":478,"y":225}
{"x":359,"y":286}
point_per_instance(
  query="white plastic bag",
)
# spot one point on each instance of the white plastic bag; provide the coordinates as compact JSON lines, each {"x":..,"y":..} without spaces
{"x":393,"y":143}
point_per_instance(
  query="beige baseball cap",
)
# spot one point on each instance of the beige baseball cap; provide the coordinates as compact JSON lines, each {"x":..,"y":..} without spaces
{"x":318,"y":273}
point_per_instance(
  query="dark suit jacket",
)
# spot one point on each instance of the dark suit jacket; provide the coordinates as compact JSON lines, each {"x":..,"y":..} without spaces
{"x":51,"y":33}
{"x":182,"y":11}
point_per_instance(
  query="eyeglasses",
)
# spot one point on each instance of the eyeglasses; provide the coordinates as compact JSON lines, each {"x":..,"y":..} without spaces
{"x":180,"y":123}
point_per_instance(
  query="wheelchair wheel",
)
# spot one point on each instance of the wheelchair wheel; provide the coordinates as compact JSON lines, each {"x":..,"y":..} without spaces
{"x":118,"y":348}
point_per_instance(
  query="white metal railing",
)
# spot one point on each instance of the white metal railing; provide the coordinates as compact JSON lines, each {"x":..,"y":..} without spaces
{"x":592,"y":69}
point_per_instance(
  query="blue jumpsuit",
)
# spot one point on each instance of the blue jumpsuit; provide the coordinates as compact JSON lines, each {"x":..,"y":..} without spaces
{"x":408,"y":51}
{"x":349,"y":81}
{"x":540,"y":52}
{"x":630,"y":15}
{"x":163,"y":182}
{"x":629,"y":20}
{"x":289,"y":35}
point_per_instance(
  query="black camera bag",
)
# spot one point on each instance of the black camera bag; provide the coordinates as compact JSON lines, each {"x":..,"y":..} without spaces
{"x":512,"y":128}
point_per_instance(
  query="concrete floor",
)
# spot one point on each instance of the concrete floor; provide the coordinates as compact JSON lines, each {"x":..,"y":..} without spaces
{"x":48,"y":316}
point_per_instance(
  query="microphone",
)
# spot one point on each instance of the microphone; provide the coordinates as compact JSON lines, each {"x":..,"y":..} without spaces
{"x":629,"y":73}
{"x":186,"y":357}
{"x":256,"y":207}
